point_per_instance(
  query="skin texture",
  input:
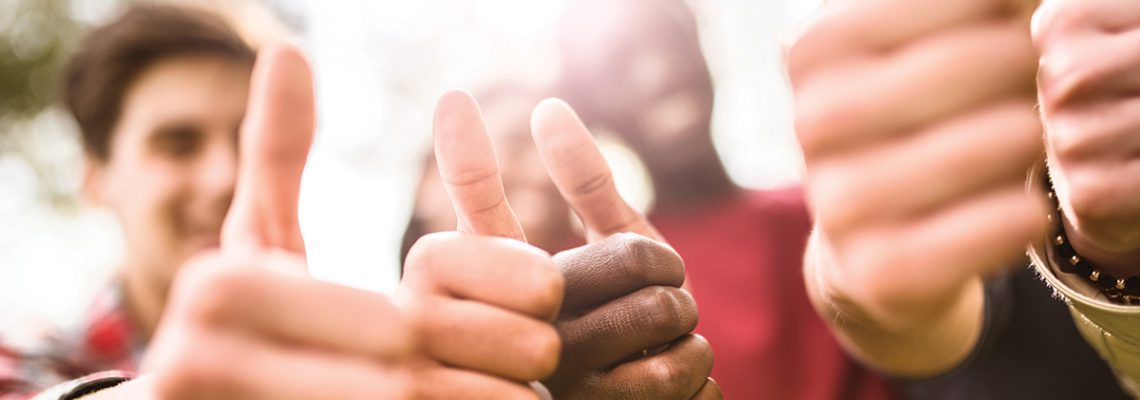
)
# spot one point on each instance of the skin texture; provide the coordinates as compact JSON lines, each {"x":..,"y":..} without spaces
{"x":622,"y":291}
{"x":1088,"y":94}
{"x":889,"y":95}
{"x":471,"y":319}
{"x":544,"y":216}
{"x":254,"y":298}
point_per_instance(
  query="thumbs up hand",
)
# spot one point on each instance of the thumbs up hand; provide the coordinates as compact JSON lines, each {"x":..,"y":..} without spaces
{"x":481,"y":304}
{"x":625,"y":322}
{"x":247,"y":322}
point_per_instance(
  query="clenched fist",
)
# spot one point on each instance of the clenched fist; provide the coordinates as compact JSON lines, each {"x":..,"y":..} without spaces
{"x":1090,"y":100}
{"x":917,"y":124}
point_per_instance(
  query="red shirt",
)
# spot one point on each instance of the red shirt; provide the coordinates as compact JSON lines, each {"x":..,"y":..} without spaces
{"x":104,"y":345}
{"x":743,"y":257}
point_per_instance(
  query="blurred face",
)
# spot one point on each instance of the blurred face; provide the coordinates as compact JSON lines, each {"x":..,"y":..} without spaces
{"x":170,"y":174}
{"x":544,"y":215}
{"x":643,"y":78}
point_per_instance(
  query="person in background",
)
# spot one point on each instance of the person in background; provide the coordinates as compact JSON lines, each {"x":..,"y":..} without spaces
{"x":163,"y":164}
{"x":635,"y":68}
{"x":626,"y":327}
{"x":545,"y":217}
{"x":163,"y":96}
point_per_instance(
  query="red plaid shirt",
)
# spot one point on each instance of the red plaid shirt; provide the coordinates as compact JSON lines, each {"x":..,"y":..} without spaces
{"x":105,"y":344}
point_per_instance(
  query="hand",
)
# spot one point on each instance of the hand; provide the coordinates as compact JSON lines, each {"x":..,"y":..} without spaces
{"x":1089,"y":82}
{"x":247,"y":322}
{"x":623,"y":295}
{"x":483,"y":304}
{"x":626,"y":321}
{"x":916,"y":152}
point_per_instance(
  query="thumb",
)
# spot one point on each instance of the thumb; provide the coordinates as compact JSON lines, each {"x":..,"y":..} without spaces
{"x":274,"y":144}
{"x":578,"y":169}
{"x":470,"y":170}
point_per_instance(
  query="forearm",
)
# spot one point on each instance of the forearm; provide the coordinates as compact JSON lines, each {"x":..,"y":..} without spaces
{"x":914,"y":345}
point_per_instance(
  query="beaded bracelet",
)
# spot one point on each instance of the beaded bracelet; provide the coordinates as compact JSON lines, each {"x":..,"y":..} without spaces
{"x":1118,"y":290}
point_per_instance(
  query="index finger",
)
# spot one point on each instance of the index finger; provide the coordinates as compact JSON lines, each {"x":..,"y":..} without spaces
{"x":578,"y":169}
{"x":275,"y":138}
{"x":470,"y":170}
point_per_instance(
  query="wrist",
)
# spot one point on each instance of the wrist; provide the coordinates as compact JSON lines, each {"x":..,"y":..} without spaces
{"x":1117,"y":263}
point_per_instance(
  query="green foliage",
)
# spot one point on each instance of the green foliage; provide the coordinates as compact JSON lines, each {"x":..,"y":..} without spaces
{"x":35,"y":39}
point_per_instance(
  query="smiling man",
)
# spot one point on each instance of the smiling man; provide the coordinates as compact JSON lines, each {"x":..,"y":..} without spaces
{"x":198,"y":147}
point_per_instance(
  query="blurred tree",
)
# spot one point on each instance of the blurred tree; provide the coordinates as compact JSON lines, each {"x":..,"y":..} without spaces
{"x":35,"y":39}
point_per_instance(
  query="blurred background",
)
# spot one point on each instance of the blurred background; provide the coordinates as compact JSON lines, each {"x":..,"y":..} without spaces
{"x":379,"y":67}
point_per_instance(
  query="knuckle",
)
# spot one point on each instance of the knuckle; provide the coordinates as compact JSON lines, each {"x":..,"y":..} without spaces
{"x":704,"y":348}
{"x":1065,"y":77}
{"x":820,"y":117}
{"x":423,"y":257}
{"x":543,"y":286}
{"x":207,"y":293}
{"x":648,"y":253}
{"x":1065,"y":142}
{"x":419,"y":255}
{"x":669,"y":311}
{"x":801,"y":53}
{"x":665,"y":376}
{"x":550,"y":287}
{"x":633,"y":252}
{"x":807,"y":126}
{"x":640,"y":248}
{"x":545,"y":348}
{"x":422,"y":313}
{"x":830,"y":191}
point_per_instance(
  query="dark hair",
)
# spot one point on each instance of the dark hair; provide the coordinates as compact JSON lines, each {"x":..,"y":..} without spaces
{"x":111,"y":57}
